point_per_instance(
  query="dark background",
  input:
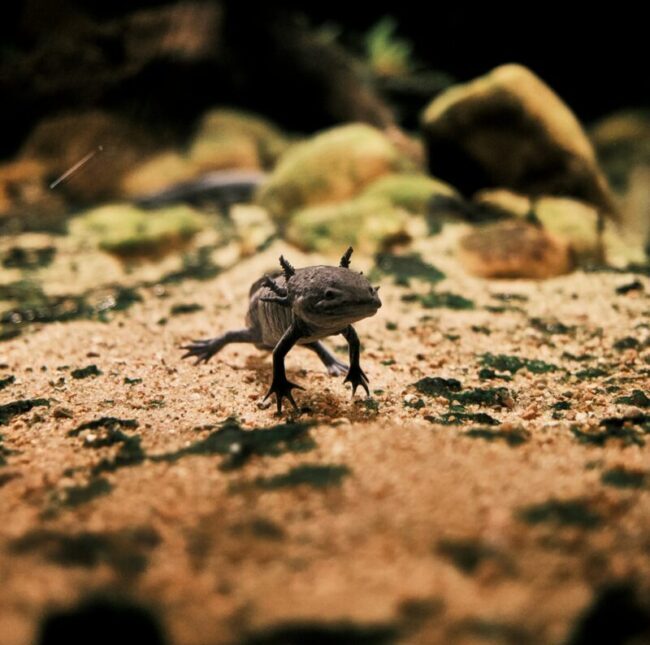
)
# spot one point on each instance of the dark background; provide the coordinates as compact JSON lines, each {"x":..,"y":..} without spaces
{"x":596,"y":59}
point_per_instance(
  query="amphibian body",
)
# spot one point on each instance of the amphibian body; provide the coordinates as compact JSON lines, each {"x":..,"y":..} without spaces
{"x":302,"y":306}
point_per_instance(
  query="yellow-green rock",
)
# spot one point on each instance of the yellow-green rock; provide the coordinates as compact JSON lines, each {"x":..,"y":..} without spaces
{"x":233,"y":139}
{"x":115,"y":143}
{"x":333,"y":166}
{"x":367,"y":223}
{"x":223,"y":151}
{"x":509,"y":129}
{"x":127,"y":231}
{"x":412,"y":192}
{"x":157,"y":173}
{"x":573,"y":221}
{"x":503,"y":201}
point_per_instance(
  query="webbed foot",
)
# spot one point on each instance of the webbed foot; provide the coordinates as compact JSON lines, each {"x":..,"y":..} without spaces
{"x":202,"y":350}
{"x":357,"y":377}
{"x":282,"y":387}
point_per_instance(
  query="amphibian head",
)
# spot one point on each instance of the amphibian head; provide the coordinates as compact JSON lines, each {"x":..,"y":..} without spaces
{"x":326,"y":296}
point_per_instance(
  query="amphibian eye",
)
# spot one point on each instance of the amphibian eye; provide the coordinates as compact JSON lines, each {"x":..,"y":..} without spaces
{"x":371,"y":291}
{"x":330,"y":294}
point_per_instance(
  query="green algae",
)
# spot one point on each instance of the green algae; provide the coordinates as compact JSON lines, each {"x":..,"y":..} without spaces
{"x":637,"y":398}
{"x":514,"y":437}
{"x":108,"y":423}
{"x":512,"y":364}
{"x":323,"y":633}
{"x":74,"y":496}
{"x":467,"y":555}
{"x":130,"y":452}
{"x":7,"y":381}
{"x":437,"y":386}
{"x":125,"y":551}
{"x":197,"y":265}
{"x":488,"y":374}
{"x":440,"y":300}
{"x":629,"y":430}
{"x":628,"y":287}
{"x":18,"y":257}
{"x":21,"y":406}
{"x":629,"y":342}
{"x":551,"y":327}
{"x":458,"y":418}
{"x":406,"y":267}
{"x":313,"y":475}
{"x":571,"y":512}
{"x":85,"y":372}
{"x":239,"y":445}
{"x":622,"y":478}
{"x":451,"y":389}
{"x":188,"y":308}
{"x":591,"y":372}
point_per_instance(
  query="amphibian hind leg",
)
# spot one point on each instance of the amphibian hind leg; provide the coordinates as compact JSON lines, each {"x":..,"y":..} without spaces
{"x":204,"y":350}
{"x":280,"y":385}
{"x":355,"y":374}
{"x":334,"y":366}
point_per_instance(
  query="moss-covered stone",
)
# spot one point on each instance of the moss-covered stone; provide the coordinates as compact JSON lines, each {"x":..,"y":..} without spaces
{"x":157,"y":173}
{"x":331,"y":167}
{"x":261,"y":142}
{"x":127,"y":231}
{"x":224,"y":150}
{"x":369,"y":224}
{"x":542,"y":149}
{"x":411,"y":192}
{"x":505,"y":203}
{"x":575,"y":222}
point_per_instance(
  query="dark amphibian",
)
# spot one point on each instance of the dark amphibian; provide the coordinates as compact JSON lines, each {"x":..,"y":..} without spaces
{"x":302,"y":306}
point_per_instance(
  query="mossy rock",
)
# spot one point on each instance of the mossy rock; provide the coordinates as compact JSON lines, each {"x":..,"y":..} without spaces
{"x":622,"y":141}
{"x":223,"y":151}
{"x":573,"y":221}
{"x":332,"y":167}
{"x":509,"y":129}
{"x":158,"y":173}
{"x":369,"y":224}
{"x":412,"y":192}
{"x":26,"y":198}
{"x":62,"y":140}
{"x":503,"y":202}
{"x":127,"y":231}
{"x":241,"y":139}
{"x":253,"y":228}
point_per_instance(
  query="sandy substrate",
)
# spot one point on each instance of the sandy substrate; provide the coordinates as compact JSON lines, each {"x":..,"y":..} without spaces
{"x":401,"y":530}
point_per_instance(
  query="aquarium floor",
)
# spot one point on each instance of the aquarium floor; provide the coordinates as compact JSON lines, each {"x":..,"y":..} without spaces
{"x":362,"y":521}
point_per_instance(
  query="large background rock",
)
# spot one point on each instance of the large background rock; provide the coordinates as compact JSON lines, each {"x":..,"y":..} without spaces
{"x":509,"y":129}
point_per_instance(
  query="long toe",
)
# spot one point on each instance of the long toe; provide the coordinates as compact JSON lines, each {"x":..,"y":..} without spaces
{"x":337,"y":369}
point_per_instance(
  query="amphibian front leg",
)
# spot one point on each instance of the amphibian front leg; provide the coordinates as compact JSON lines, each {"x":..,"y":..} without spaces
{"x":281,"y":386}
{"x":355,"y":374}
